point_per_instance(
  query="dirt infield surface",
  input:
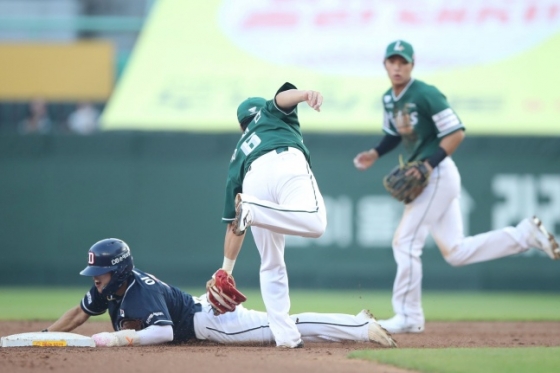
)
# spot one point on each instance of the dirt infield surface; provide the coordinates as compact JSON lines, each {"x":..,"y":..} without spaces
{"x":202,"y":357}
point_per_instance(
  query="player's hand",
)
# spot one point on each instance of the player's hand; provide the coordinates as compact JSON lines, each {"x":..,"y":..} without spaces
{"x":105,"y":339}
{"x":365,"y":160}
{"x":417,"y":174}
{"x":314,"y":100}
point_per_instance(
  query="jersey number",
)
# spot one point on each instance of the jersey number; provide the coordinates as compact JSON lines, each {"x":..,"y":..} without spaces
{"x":250,"y":144}
{"x":151,"y":279}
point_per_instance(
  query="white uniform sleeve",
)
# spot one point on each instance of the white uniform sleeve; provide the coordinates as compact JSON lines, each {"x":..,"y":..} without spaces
{"x":128,"y":337}
{"x":155,"y":334}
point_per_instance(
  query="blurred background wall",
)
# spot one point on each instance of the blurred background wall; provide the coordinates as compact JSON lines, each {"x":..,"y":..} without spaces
{"x":117,"y":120}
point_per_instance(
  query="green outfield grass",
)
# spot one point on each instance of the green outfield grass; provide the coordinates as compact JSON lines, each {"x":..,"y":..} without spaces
{"x":468,"y":360}
{"x":50,"y":303}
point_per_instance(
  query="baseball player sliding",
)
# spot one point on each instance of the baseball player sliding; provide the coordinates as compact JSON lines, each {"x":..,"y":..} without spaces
{"x":145,"y":310}
{"x":419,"y":116}
{"x":270,"y":187}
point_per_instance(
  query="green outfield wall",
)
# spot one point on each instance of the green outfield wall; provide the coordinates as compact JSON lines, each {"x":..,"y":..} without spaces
{"x":163,"y":194}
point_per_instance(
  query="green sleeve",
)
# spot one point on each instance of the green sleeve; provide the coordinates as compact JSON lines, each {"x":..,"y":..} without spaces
{"x":444,"y":117}
{"x":290,"y":116}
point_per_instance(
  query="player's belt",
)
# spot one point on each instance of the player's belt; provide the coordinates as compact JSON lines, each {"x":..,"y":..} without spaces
{"x":282,"y":149}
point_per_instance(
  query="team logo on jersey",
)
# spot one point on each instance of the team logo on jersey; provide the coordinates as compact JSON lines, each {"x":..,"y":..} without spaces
{"x":89,"y":300}
{"x":152,"y":315}
{"x":121,"y":312}
{"x":387,"y":99}
{"x":404,"y":121}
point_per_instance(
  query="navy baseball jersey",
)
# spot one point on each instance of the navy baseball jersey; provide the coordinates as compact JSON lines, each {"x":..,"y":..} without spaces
{"x":147,"y":299}
{"x":270,"y":129}
{"x":421,"y":115}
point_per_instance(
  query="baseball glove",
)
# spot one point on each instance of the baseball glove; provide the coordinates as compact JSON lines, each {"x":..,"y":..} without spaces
{"x":404,"y":184}
{"x":132,"y":324}
{"x":222,"y":293}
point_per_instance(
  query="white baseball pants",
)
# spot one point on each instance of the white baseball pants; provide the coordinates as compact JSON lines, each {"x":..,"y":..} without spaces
{"x":437,"y":212}
{"x":249,"y":326}
{"x":284,"y":199}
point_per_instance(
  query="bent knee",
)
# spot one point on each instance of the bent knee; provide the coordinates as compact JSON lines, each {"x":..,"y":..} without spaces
{"x":318,"y":227}
{"x":452,"y":258}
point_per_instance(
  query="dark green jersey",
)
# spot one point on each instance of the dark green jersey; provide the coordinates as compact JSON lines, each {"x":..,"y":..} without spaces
{"x":270,"y":129}
{"x":420,"y":115}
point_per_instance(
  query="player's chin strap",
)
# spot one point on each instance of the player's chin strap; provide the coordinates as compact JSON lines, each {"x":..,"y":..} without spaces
{"x":117,"y":339}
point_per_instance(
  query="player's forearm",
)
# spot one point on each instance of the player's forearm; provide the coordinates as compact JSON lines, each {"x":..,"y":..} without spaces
{"x":290,"y":98}
{"x":451,"y":142}
{"x":232,"y":244}
{"x":71,"y":319}
{"x":151,"y":335}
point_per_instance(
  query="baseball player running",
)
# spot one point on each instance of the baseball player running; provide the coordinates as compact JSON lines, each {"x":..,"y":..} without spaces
{"x":419,"y":116}
{"x":145,"y":310}
{"x":270,"y":187}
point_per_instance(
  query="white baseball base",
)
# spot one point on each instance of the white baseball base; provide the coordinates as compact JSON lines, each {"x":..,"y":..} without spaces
{"x":47,"y":339}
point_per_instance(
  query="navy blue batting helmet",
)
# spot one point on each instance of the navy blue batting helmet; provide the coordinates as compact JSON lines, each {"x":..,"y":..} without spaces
{"x":110,"y":255}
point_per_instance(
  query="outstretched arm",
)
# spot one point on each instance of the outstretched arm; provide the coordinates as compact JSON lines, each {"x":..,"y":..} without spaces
{"x":153,"y":334}
{"x":71,"y":319}
{"x":232,"y":247}
{"x":286,"y":100}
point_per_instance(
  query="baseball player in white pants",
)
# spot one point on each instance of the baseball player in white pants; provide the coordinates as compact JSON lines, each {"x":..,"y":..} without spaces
{"x":271,"y":188}
{"x":441,"y":217}
{"x":250,"y":326}
{"x":419,"y":116}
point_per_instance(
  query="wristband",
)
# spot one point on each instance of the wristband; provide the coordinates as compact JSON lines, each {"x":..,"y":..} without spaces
{"x":437,"y":157}
{"x":228,"y":265}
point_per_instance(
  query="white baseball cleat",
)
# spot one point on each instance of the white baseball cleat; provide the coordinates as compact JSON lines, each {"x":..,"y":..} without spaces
{"x":243,"y":217}
{"x":376,"y":333}
{"x":543,"y":240}
{"x":398,"y":324}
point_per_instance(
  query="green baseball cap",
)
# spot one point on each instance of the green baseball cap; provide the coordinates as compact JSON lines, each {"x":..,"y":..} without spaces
{"x":249,"y":107}
{"x":400,"y":48}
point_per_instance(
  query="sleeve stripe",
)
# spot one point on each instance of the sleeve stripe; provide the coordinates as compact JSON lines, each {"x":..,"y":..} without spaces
{"x":447,"y":123}
{"x":442,"y":114}
{"x":167,"y":322}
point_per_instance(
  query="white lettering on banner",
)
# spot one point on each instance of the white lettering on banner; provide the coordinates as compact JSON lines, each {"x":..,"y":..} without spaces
{"x":339,"y":232}
{"x":120,"y":258}
{"x":377,"y":218}
{"x":523,"y":196}
{"x":335,"y":36}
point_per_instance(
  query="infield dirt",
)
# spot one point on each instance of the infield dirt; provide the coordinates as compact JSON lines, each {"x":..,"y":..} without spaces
{"x":201,"y":357}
